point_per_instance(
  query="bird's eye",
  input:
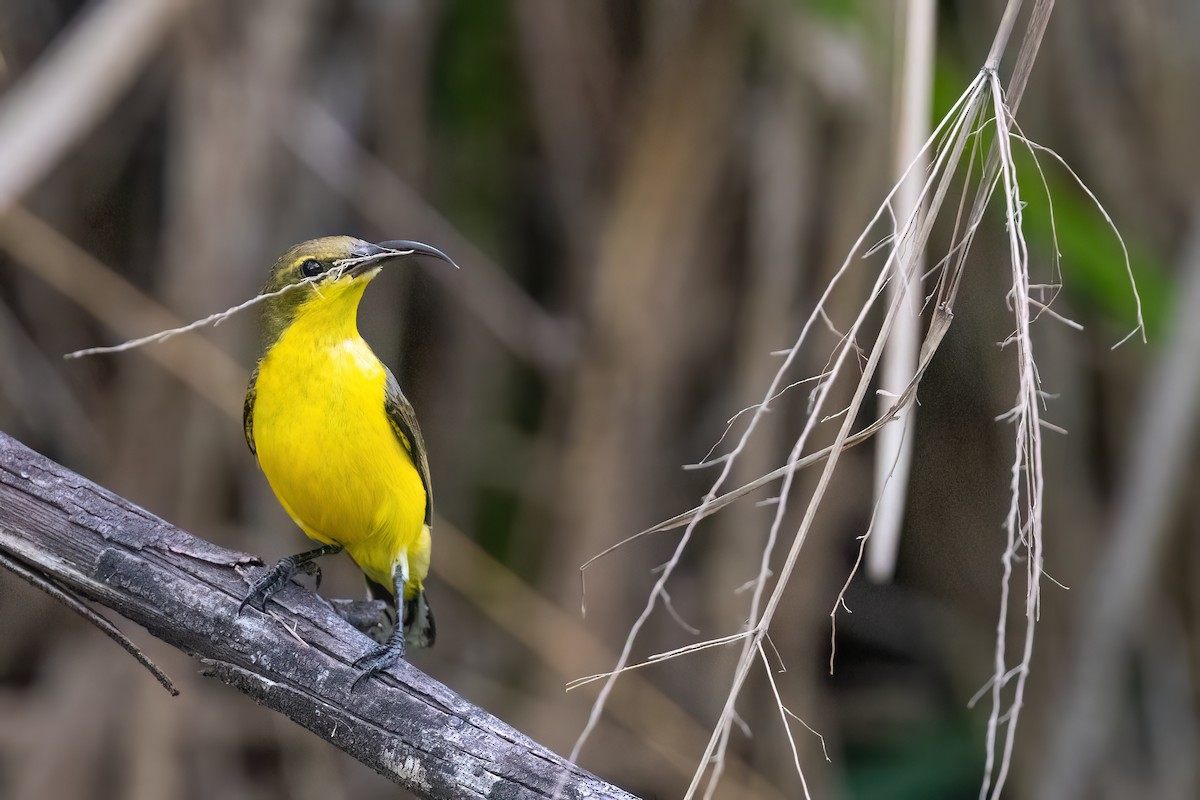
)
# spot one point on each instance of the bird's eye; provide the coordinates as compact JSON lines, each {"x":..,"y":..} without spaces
{"x":311,"y":268}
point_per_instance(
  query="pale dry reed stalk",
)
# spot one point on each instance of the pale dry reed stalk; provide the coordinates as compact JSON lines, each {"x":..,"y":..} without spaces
{"x":893,"y":453}
{"x":981,"y":107}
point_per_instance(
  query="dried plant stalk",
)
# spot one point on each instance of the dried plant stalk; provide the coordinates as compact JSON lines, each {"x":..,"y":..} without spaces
{"x":981,"y":106}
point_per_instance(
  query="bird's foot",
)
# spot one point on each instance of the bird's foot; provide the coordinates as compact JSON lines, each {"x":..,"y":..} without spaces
{"x":275,"y":579}
{"x":380,"y":658}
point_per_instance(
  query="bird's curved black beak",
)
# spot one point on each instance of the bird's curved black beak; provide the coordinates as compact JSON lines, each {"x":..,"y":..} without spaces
{"x":369,"y":256}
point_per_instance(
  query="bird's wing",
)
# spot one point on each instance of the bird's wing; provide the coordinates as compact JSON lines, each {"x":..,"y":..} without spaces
{"x":248,"y":411}
{"x":404,"y":424}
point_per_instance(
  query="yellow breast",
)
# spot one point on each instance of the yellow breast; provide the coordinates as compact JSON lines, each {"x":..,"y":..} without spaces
{"x":326,"y":446}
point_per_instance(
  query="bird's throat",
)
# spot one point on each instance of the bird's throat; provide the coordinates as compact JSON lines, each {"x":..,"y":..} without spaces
{"x":322,"y":312}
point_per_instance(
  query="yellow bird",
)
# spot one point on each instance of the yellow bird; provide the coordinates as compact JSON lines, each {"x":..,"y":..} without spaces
{"x":337,"y":439}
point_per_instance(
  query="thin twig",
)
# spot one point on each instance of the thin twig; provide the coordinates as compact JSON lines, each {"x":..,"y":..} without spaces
{"x":783,"y":715}
{"x":112,"y":300}
{"x":211,"y":319}
{"x":340,"y":267}
{"x":72,"y":602}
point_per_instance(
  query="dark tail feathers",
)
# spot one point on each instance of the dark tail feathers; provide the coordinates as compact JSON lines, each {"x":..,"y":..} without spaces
{"x":419,"y":628}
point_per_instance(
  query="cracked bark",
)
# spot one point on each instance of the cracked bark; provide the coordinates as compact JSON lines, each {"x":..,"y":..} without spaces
{"x":295,"y":660}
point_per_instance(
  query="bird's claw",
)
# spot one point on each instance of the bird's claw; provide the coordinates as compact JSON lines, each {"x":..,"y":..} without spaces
{"x":277,"y":576}
{"x":379,"y":659}
{"x":268,"y":585}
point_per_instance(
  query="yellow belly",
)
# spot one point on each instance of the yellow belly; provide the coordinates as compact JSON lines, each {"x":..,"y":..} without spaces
{"x":329,"y":452}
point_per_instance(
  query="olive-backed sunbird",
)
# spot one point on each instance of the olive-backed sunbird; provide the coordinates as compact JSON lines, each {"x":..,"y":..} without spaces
{"x":337,"y":439}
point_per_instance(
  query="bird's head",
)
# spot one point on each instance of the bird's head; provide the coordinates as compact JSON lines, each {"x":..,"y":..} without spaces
{"x":327,"y":272}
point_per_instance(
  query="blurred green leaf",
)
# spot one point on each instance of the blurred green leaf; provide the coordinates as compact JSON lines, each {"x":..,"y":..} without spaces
{"x":938,"y":760}
{"x":840,"y":11}
{"x":478,"y":111}
{"x":1093,"y":265}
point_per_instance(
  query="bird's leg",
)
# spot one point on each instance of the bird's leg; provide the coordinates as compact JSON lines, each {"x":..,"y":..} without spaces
{"x":277,"y":576}
{"x":390,"y":652}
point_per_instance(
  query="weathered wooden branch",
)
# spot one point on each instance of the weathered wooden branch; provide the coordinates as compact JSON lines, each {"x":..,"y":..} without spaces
{"x":297,"y":660}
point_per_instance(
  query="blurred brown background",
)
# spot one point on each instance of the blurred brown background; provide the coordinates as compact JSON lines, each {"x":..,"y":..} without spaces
{"x":646,"y":200}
